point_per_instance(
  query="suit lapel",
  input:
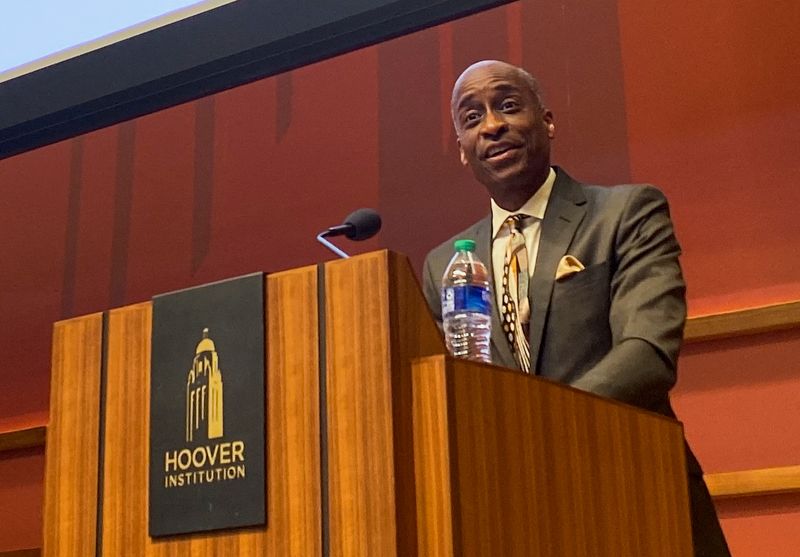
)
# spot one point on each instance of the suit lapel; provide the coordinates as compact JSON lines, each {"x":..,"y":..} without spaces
{"x":564,"y":213}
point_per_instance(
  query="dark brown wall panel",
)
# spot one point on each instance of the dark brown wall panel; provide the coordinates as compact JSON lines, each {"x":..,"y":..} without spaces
{"x":95,"y":217}
{"x":574,"y":48}
{"x":158,"y":232}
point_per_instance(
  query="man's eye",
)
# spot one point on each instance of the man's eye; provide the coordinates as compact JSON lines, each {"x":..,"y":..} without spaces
{"x":509,"y":104}
{"x":471,"y":116}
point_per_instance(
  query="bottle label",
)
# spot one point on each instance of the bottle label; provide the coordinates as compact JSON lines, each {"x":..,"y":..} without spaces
{"x":466,"y":298}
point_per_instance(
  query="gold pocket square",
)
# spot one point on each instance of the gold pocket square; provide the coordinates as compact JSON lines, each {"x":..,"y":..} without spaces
{"x":567,"y":267}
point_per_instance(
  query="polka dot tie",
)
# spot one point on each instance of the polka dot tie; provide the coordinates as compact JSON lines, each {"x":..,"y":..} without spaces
{"x":516,"y":309}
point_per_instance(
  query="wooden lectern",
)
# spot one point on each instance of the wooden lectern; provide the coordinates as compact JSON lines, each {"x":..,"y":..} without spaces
{"x":414,"y":454}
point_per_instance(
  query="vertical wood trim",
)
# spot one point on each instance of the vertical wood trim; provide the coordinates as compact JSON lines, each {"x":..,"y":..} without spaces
{"x":127,"y":436}
{"x":377,"y":322}
{"x":360,"y":435}
{"x":322,"y":354}
{"x":71,"y":465}
{"x":101,"y":439}
{"x":432,"y":459}
{"x":412,"y":333}
{"x":294,"y":520}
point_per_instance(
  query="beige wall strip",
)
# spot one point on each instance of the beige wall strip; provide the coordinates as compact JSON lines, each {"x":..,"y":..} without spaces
{"x":765,"y":481}
{"x":741,"y":322}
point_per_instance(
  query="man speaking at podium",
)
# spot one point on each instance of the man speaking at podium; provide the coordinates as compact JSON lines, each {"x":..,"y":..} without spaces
{"x":601,"y":297}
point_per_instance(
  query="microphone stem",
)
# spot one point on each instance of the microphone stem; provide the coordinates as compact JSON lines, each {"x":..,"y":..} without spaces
{"x":325,"y":242}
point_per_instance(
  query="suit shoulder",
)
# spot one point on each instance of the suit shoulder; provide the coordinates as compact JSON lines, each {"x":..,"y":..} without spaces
{"x":622,"y":191}
{"x":623,"y":197}
{"x":580,"y":192}
{"x":445,"y":249}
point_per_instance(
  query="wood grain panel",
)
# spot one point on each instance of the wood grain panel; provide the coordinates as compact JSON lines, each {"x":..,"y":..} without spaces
{"x":748,"y":321}
{"x":435,"y":498}
{"x":70,"y":509}
{"x":360,"y":446}
{"x":382,"y":500}
{"x":413,"y":334}
{"x":537,"y":468}
{"x":293,"y":500}
{"x":22,"y":438}
{"x":764,"y":481}
{"x":293,"y":455}
{"x":126,"y":433}
{"x":376,"y":322}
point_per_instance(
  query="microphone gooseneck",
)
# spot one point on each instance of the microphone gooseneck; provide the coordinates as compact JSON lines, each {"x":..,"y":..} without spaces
{"x":358,"y":225}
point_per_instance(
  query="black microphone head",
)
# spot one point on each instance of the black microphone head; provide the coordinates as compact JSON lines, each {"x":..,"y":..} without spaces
{"x":364,"y":223}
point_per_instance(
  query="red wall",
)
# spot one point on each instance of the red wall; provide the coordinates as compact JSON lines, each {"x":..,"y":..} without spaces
{"x":703,"y":101}
{"x":713,"y":116}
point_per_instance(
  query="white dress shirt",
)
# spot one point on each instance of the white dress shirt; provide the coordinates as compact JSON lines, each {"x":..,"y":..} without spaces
{"x":532,"y":231}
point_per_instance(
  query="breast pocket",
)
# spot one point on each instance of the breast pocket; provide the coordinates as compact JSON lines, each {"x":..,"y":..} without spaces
{"x":594,"y":278}
{"x":582,"y":299}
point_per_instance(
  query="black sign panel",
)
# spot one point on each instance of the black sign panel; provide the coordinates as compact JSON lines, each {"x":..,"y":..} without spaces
{"x":207,"y":408}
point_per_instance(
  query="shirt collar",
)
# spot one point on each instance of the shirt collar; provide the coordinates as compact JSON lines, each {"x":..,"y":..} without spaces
{"x":535,"y":206}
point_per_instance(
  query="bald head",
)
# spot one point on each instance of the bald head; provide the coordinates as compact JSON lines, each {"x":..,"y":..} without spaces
{"x":530,"y":81}
{"x":503,"y":130}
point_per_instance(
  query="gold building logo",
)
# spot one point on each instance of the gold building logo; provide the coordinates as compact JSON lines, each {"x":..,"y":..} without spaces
{"x":204,"y":411}
{"x":222,"y":460}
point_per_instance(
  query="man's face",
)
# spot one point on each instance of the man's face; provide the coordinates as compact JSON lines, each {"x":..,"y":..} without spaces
{"x":503,"y":132}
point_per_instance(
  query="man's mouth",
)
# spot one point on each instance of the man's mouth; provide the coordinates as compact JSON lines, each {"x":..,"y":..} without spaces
{"x":500,"y":151}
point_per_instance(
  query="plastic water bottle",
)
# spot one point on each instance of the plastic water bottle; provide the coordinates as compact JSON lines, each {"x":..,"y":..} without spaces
{"x":467,"y":305}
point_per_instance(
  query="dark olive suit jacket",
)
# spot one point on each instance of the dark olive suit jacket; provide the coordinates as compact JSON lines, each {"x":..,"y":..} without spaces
{"x":614,"y":328}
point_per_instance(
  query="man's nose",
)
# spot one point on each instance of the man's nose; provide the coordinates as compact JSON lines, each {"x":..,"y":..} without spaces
{"x":493,"y":124}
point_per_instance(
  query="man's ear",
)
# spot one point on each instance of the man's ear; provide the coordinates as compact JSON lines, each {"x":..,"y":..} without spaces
{"x":461,"y":153}
{"x":549,"y":122}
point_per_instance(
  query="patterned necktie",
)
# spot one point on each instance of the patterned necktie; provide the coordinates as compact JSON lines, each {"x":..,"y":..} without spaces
{"x":516,"y":311}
